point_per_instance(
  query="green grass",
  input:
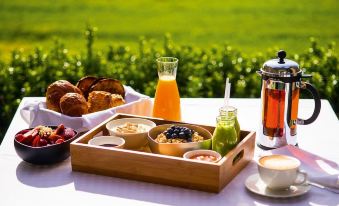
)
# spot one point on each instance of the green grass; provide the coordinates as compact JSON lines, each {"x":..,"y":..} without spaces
{"x":246,"y":25}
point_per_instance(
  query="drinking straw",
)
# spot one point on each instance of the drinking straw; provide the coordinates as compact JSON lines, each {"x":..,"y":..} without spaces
{"x":227,"y":92}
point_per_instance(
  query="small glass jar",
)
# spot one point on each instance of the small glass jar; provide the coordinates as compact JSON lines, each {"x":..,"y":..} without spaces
{"x":225,"y":136}
{"x":232,"y":112}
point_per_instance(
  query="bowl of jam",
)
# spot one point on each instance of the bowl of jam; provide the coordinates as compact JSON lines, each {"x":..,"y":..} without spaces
{"x":203,"y":155}
{"x":107,"y":141}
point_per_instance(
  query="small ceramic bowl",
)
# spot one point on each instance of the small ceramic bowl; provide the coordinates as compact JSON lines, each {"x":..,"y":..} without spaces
{"x":46,"y":154}
{"x":107,"y":141}
{"x":178,"y":149}
{"x":133,"y":140}
{"x":190,"y":154}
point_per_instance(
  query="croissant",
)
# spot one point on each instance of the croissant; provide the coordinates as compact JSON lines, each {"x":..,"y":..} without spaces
{"x":73,"y":104}
{"x":56,"y":90}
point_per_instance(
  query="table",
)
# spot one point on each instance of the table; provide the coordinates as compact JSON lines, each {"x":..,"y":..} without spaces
{"x":24,"y":184}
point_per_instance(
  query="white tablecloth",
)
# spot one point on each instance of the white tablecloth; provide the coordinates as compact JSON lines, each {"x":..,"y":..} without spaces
{"x":24,"y":184}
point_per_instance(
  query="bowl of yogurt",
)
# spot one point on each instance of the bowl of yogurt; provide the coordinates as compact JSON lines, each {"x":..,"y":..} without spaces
{"x":133,"y":130}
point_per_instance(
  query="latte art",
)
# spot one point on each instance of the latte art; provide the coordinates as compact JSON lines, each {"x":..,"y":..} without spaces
{"x":279,"y":162}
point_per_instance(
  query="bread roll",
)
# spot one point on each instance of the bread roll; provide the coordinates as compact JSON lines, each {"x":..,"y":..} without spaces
{"x":112,"y":86}
{"x":101,"y":100}
{"x":56,"y":90}
{"x":85,"y":83}
{"x":117,"y":100}
{"x":73,"y":104}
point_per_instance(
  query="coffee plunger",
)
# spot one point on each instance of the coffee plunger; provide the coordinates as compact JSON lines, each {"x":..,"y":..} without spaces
{"x":281,"y":84}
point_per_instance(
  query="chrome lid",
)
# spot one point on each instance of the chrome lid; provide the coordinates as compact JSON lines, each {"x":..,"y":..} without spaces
{"x":280,"y":67}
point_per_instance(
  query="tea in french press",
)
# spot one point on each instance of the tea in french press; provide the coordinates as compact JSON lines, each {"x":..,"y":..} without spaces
{"x":281,"y":84}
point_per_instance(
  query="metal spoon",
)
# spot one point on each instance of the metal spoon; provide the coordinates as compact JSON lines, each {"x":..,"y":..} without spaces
{"x":324,"y":187}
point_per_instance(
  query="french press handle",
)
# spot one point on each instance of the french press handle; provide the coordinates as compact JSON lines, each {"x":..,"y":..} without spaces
{"x":317,"y":104}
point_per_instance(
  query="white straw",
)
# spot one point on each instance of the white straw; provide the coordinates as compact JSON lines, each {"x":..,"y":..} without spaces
{"x":227,"y":92}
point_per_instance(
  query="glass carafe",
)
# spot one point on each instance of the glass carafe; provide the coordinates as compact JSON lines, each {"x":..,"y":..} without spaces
{"x":167,"y":98}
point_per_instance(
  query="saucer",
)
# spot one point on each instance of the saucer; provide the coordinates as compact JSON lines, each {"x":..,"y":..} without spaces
{"x":254,"y":184}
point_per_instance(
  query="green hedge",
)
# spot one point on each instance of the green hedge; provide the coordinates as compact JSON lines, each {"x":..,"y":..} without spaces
{"x":201,"y":71}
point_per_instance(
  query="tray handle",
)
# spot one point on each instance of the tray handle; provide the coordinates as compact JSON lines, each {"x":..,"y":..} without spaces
{"x":238,"y":157}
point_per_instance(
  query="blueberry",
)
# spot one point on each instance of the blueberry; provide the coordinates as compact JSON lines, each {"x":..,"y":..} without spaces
{"x":168,"y":135}
{"x":174,"y":135}
{"x":182,"y":135}
{"x":187,"y":132}
{"x":176,"y":131}
{"x":189,"y":140}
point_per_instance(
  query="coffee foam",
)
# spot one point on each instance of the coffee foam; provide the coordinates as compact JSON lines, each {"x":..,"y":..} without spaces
{"x":279,"y":162}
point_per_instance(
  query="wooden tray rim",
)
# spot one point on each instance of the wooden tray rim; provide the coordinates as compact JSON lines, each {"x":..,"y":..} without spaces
{"x":76,"y":142}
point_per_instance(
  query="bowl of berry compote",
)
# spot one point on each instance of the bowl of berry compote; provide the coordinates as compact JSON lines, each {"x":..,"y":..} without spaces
{"x":44,"y":144}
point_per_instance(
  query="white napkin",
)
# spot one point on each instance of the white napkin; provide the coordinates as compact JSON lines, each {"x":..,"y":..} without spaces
{"x":36,"y":113}
{"x":319,"y":170}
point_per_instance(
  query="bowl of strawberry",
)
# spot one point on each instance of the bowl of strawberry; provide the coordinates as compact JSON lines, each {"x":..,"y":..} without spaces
{"x":44,"y":144}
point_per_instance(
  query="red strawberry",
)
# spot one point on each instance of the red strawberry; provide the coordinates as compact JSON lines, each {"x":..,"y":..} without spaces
{"x":59,"y":141}
{"x":36,"y":141}
{"x":29,"y":133}
{"x":27,"y":140}
{"x":35,"y":132}
{"x":69,"y":133}
{"x":54,"y":137}
{"x":19,"y":137}
{"x":43,"y":142}
{"x":60,"y":129}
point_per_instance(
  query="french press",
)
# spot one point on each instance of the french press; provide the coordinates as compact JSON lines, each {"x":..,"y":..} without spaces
{"x":281,"y":83}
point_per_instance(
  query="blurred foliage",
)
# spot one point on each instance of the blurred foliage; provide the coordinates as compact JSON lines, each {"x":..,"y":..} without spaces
{"x":249,"y":25}
{"x":201,"y":71}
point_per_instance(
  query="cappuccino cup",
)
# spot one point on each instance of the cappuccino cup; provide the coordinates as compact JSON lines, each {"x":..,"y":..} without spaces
{"x":280,"y":171}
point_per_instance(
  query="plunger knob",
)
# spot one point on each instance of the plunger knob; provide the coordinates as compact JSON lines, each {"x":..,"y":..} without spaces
{"x":281,"y":56}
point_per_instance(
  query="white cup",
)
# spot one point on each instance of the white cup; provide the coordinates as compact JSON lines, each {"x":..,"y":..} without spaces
{"x":280,"y":171}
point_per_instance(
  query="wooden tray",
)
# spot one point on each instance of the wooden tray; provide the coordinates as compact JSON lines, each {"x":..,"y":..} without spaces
{"x":156,"y":168}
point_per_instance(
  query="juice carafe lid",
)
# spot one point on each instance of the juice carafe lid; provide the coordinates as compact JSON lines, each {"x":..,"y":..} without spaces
{"x":280,"y":67}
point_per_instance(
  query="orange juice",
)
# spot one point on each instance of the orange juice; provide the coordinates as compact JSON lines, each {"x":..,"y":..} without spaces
{"x":167,"y":99}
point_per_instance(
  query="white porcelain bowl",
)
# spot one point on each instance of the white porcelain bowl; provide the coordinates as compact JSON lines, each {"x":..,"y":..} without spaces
{"x":107,"y":141}
{"x":192,"y":153}
{"x":133,"y":140}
